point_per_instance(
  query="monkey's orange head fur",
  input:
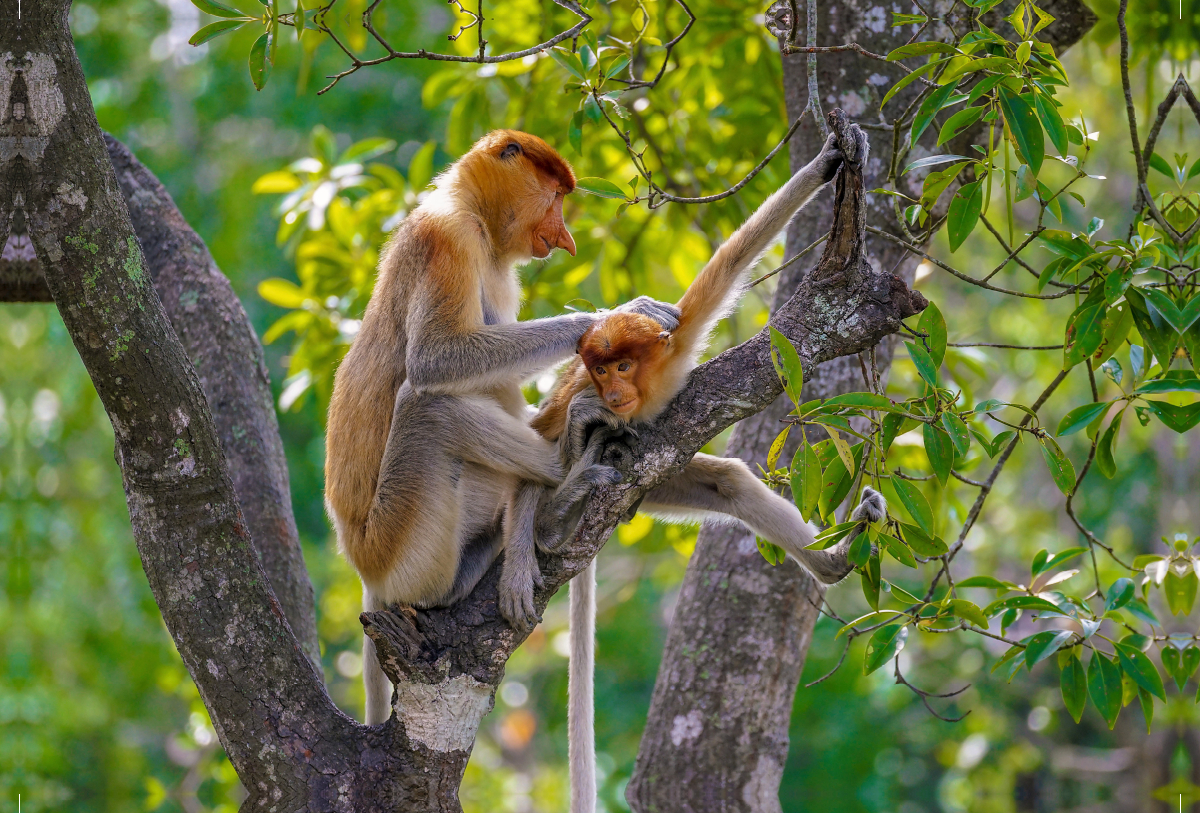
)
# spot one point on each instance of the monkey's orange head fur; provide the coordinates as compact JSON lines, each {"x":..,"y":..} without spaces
{"x":623,"y":354}
{"x":517,"y":183}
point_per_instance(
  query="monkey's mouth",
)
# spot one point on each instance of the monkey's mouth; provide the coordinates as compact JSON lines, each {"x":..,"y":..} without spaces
{"x":543,"y":250}
{"x":627,"y":406}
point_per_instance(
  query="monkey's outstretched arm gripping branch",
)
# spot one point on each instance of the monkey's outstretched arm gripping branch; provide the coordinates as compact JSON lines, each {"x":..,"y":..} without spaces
{"x":844,"y":307}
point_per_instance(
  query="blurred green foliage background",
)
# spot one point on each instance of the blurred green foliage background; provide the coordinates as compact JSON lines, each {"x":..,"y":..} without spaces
{"x":98,"y":714}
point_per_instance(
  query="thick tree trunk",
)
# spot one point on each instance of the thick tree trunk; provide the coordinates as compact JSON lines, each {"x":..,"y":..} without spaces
{"x":292,"y":748}
{"x":716,"y":736}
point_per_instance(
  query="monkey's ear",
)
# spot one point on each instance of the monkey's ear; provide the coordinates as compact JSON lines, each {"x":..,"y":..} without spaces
{"x":512,"y":149}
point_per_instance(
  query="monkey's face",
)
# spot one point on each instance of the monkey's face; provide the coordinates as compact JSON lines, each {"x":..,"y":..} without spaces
{"x":617,"y":383}
{"x":524,"y":181}
{"x":550,"y":232}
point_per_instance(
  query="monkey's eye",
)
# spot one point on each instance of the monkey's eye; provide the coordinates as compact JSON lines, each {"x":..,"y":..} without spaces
{"x":601,"y":371}
{"x":623,"y":367}
{"x":512,"y":149}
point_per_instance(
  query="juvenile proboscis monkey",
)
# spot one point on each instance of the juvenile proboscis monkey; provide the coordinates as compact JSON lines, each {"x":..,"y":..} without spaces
{"x":427,"y":438}
{"x":627,"y":371}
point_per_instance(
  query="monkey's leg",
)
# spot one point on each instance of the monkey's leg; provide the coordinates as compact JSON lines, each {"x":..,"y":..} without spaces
{"x":447,"y":469}
{"x":715,"y":485}
{"x":561,"y":508}
{"x":520,"y":572}
{"x":378,"y":687}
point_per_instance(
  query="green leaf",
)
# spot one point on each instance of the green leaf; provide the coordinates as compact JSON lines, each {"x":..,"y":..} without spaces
{"x":787,"y":364}
{"x":1167,"y":307}
{"x":1073,"y":681}
{"x":924,"y":544}
{"x":866,"y":400}
{"x":806,"y":480}
{"x":281,"y":292}
{"x":898,"y":550}
{"x":575,"y":132}
{"x":959,"y":122}
{"x":985,"y":581}
{"x":1139,"y":609}
{"x":1120,"y":594}
{"x":260,"y":69}
{"x":1105,"y":460}
{"x":600,"y":187}
{"x":1052,"y":121}
{"x":1171,"y":383}
{"x":932,"y":105}
{"x":969,"y":611}
{"x":1080,"y":417}
{"x":924,"y":363}
{"x":910,"y":78}
{"x":777,"y":447}
{"x":933,"y":324}
{"x":1104,"y":687}
{"x":1180,"y":591}
{"x":1188,"y":663}
{"x":770,"y":551}
{"x":939,"y":449}
{"x":420,"y":167}
{"x":1044,"y":644}
{"x":886,"y":642}
{"x":965,"y":208}
{"x":569,"y":61}
{"x":217,"y":9}
{"x":915,"y":503}
{"x":1025,"y":128}
{"x":860,"y":550}
{"x":921,"y":49}
{"x":1141,"y":669}
{"x":1020,"y":603}
{"x":276,"y":183}
{"x":957,"y":430}
{"x":1156,"y":332}
{"x":1085,"y":332}
{"x":1176,"y":418}
{"x":932,"y":161}
{"x":367,"y":149}
{"x":1059,"y":464}
{"x":1147,"y":703}
{"x":213,"y":29}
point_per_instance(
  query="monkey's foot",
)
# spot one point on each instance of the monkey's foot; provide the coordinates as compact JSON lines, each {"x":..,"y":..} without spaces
{"x":519,"y":576}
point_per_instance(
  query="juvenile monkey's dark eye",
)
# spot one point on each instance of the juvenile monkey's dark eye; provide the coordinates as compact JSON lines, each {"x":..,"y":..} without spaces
{"x":600,"y":371}
{"x":512,"y":149}
{"x":623,"y":367}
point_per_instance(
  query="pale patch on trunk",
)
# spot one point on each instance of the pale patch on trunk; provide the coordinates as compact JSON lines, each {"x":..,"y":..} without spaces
{"x":35,"y":111}
{"x":446,"y":716}
{"x":686,"y":727}
{"x":761,"y":793}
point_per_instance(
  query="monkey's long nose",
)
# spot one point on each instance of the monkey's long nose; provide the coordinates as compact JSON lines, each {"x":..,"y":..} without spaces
{"x":565,"y":240}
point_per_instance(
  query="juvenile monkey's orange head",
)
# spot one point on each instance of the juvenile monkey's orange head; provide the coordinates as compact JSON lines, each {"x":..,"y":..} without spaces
{"x":518,"y":182}
{"x":623,"y":354}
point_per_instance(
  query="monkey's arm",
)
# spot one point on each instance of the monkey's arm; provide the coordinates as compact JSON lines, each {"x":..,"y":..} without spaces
{"x":446,"y":357}
{"x":717,"y":287}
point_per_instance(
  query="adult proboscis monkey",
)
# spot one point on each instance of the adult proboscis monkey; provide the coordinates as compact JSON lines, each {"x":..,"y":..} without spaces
{"x":427,"y":437}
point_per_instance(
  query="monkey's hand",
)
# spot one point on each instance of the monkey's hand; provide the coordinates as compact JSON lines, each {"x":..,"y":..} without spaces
{"x":872,"y":507}
{"x":585,"y":414}
{"x":829,"y":160}
{"x":664,"y":313}
{"x":559,"y":515}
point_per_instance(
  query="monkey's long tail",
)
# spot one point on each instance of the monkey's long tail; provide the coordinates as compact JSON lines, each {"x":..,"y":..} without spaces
{"x":581,"y":709}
